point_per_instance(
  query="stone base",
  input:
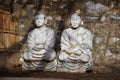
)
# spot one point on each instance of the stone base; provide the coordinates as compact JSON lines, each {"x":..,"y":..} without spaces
{"x":40,"y":65}
{"x":55,"y":65}
{"x":76,"y":67}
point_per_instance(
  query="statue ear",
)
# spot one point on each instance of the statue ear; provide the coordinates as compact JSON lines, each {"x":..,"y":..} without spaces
{"x":82,"y":23}
{"x":45,"y":20}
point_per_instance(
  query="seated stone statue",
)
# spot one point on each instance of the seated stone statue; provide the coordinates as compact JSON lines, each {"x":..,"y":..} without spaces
{"x":40,"y":42}
{"x":76,"y":43}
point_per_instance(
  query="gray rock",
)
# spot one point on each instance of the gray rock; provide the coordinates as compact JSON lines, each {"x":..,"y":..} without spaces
{"x":115,"y":18}
{"x":108,"y":53}
{"x":114,"y":51}
{"x":113,"y":39}
{"x":22,"y":26}
{"x":99,"y":39}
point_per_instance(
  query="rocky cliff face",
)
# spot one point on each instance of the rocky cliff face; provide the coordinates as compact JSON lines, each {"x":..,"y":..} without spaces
{"x":104,"y":23}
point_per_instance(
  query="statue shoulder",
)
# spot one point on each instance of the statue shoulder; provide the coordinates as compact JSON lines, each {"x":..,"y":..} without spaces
{"x":49,"y":30}
{"x":86,"y":30}
{"x":67,"y":30}
{"x":34,"y":31}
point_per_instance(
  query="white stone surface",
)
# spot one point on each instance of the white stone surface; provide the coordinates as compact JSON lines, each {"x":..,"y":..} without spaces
{"x":76,"y":44}
{"x":40,"y":43}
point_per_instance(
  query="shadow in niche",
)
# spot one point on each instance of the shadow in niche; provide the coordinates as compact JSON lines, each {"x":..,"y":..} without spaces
{"x":54,"y":75}
{"x":12,"y":52}
{"x":115,"y":67}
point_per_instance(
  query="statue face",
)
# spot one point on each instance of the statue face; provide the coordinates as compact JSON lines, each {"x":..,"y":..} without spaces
{"x":75,"y":21}
{"x":40,"y":20}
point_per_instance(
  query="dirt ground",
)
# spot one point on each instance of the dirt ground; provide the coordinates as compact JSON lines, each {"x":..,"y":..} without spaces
{"x":42,"y":75}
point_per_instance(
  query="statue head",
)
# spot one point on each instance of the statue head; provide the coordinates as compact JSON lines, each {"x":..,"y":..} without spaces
{"x":76,"y":20}
{"x":40,"y":20}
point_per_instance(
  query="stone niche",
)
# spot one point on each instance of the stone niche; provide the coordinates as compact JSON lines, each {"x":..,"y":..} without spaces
{"x":106,"y":57}
{"x":105,"y":51}
{"x":106,"y":41}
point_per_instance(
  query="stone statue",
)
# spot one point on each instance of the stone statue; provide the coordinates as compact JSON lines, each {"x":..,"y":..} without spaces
{"x":76,"y":46}
{"x":40,"y":43}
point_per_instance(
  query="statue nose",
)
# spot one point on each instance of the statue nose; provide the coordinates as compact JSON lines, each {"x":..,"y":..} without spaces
{"x":74,"y":22}
{"x":39,"y":21}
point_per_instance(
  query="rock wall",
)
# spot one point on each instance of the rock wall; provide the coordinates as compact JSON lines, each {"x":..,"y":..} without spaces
{"x":106,"y":42}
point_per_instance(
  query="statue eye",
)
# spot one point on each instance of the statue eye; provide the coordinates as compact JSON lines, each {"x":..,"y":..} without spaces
{"x":37,"y":18}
